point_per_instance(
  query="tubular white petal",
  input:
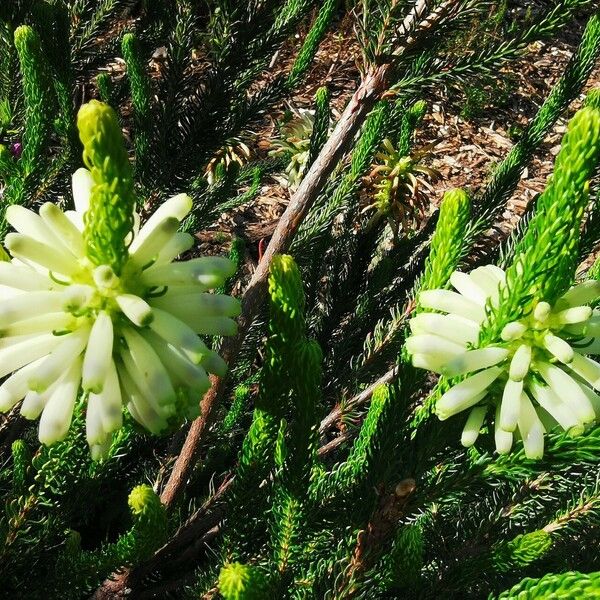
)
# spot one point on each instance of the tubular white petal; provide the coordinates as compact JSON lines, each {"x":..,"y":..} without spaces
{"x":111,"y":406}
{"x":45,"y":323}
{"x":456,"y":329}
{"x":50,"y":257}
{"x":510,"y":406}
{"x":206,"y":325}
{"x":26,"y":306}
{"x":147,"y":250}
{"x":486,"y":280}
{"x":452,"y":406}
{"x":466,"y":393}
{"x":98,"y":354}
{"x":82,"y":188}
{"x":15,"y":387}
{"x":210,"y":271}
{"x":503,"y":439}
{"x":513,"y":331}
{"x":63,"y":228}
{"x":428,"y":343}
{"x":451,"y":302}
{"x":542,"y":311}
{"x":558,"y":348}
{"x":105,"y":278}
{"x":468,"y":288}
{"x":15,"y":357}
{"x":154,"y":380}
{"x":34,"y":403}
{"x":101,"y":451}
{"x":138,"y":311}
{"x":25,"y":221}
{"x":474,"y":360}
{"x":58,"y":412}
{"x":176,"y":208}
{"x":519,"y":365}
{"x":429,"y":361}
{"x":75,"y":297}
{"x":143,"y":411}
{"x":584,"y":293}
{"x":573,"y":315}
{"x":495,"y":271}
{"x":94,"y":430}
{"x":473,"y":425}
{"x":178,"y":244}
{"x":176,"y":332}
{"x":210,"y":305}
{"x":586,"y":368}
{"x":180,"y":368}
{"x":531,"y":429}
{"x":23,"y":278}
{"x":69,"y":349}
{"x":593,"y":398}
{"x":566,"y":388}
{"x":213,"y":363}
{"x":551,"y":403}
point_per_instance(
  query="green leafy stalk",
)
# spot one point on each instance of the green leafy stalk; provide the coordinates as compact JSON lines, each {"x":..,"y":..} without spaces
{"x":141,"y":95}
{"x":109,"y":219}
{"x":546,"y":256}
{"x":321,"y":124}
{"x":38,"y":100}
{"x":448,"y":241}
{"x":567,"y":586}
{"x":311,"y":43}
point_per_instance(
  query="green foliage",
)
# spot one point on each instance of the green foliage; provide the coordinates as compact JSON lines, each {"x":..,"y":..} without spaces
{"x":109,"y":219}
{"x":570,"y":585}
{"x":448,"y":242}
{"x":242,"y":582}
{"x":521,"y":551}
{"x":545,"y":258}
{"x":321,"y":475}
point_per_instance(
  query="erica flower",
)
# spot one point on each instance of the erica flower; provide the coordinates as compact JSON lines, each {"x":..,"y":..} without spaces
{"x":129,"y":339}
{"x":537,"y":376}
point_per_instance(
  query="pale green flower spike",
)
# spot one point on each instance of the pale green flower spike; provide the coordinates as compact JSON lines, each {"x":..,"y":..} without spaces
{"x":294,"y":143}
{"x":128,"y":338}
{"x":538,"y":374}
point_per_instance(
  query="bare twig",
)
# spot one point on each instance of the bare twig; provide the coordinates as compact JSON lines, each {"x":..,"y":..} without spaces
{"x":374,"y":84}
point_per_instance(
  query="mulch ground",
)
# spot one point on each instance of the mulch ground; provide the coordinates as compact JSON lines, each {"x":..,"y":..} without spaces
{"x":470,"y":142}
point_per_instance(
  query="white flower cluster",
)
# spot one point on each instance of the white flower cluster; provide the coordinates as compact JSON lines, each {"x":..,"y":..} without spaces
{"x":131,"y":339}
{"x":537,"y":376}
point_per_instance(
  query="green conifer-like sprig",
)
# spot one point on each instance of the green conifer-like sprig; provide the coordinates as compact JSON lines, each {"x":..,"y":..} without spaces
{"x":448,"y":241}
{"x":592,"y":100}
{"x":410,"y":121}
{"x":106,"y":89}
{"x":21,"y":455}
{"x":8,"y":166}
{"x":141,"y":97}
{"x":109,"y":219}
{"x":571,"y":585}
{"x":80,"y":570}
{"x":402,"y":566}
{"x":311,"y":43}
{"x":242,"y":582}
{"x":365,"y":465}
{"x":38,"y":99}
{"x":520,"y":551}
{"x":321,"y":123}
{"x":546,"y":257}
